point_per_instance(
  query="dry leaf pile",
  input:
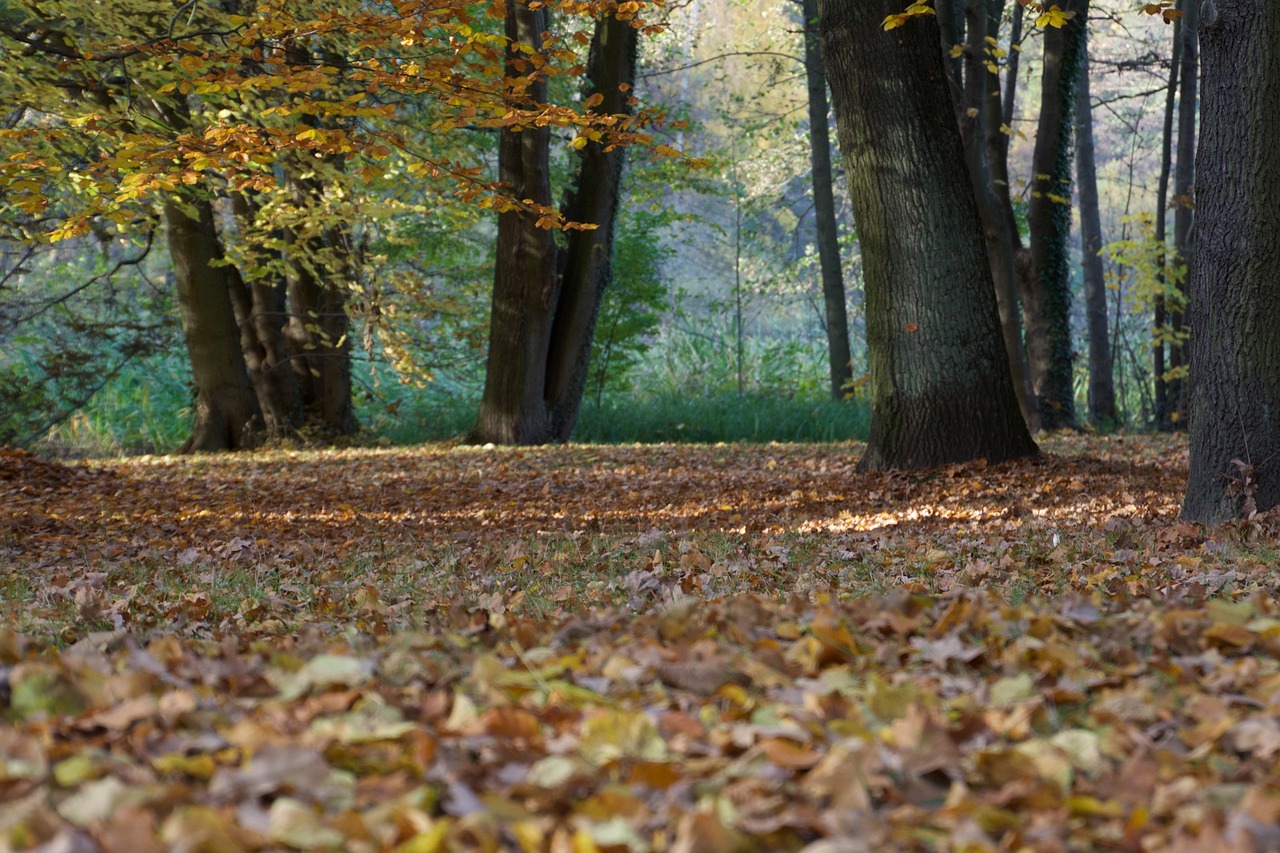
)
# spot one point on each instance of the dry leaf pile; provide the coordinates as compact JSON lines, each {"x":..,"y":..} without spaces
{"x":633,"y":649}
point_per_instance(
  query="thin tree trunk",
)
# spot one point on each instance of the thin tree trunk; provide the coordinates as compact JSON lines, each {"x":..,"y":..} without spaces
{"x":1235,"y":292}
{"x":1048,"y":302}
{"x":824,"y":207}
{"x":1160,"y":320}
{"x":941,"y":390}
{"x":1102,"y":392}
{"x":977,"y":110}
{"x":227,"y":416}
{"x":1184,"y":207}
{"x":261,"y":312}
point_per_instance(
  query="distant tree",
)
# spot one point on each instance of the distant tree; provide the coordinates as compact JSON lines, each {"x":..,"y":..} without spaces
{"x":1102,"y":392}
{"x":1235,"y":289}
{"x":824,"y":207}
{"x":940,"y":382}
{"x":1046,"y":296}
{"x":545,"y":300}
{"x":1184,"y":206}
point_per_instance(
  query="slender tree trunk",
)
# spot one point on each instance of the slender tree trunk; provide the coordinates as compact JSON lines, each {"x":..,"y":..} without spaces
{"x":1184,"y":207}
{"x":941,"y":390}
{"x":1235,"y":290}
{"x":1160,"y":320}
{"x":824,"y":207}
{"x":227,"y":416}
{"x":1048,"y":302}
{"x":1102,"y":392}
{"x":585,"y":265}
{"x":977,"y":111}
{"x":262,"y":313}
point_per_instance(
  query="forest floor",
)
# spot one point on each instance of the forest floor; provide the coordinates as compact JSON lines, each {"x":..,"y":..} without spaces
{"x":643,"y":648}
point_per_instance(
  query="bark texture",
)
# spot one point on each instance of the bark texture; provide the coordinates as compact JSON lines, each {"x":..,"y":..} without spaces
{"x":1047,"y":302}
{"x":978,"y":111}
{"x":824,"y":207}
{"x":1184,"y":206}
{"x":941,"y":390}
{"x":1235,"y":288}
{"x":1102,"y":389}
{"x":226,"y":412}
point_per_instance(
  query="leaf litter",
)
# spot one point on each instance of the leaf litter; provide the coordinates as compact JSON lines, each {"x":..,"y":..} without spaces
{"x":724,"y":648}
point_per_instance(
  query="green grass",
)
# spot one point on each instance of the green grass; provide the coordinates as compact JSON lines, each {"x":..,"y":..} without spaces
{"x":722,"y":417}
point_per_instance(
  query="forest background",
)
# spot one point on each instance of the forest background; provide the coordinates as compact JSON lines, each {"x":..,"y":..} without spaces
{"x":713,"y":327}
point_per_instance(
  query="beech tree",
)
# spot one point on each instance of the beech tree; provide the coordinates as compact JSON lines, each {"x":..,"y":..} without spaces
{"x":1234,"y":308}
{"x":940,"y":381}
{"x":545,"y":299}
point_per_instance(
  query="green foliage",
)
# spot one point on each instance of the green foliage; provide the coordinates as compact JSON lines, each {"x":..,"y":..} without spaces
{"x":1145,"y":262}
{"x":632,"y":306}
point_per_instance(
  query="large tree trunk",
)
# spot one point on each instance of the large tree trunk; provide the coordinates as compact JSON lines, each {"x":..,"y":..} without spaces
{"x":585,"y":265}
{"x":544,"y":307}
{"x":227,"y":416}
{"x":940,"y":382}
{"x":824,"y":207}
{"x":1102,"y":390}
{"x":1184,"y":207}
{"x":1048,"y":302}
{"x":1235,"y":289}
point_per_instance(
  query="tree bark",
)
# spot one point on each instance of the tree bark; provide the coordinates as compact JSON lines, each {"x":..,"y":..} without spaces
{"x":1048,"y":302}
{"x":545,"y":305}
{"x":1235,"y":290}
{"x":1102,"y":391}
{"x":1184,"y":207}
{"x":261,"y":313}
{"x":227,"y":415}
{"x":585,"y":266}
{"x":318,"y":327}
{"x":824,"y":207}
{"x":978,"y":114}
{"x":941,"y":390}
{"x":1159,"y":350}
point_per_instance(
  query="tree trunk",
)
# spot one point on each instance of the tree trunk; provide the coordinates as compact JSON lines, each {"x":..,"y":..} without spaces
{"x":978,"y":114}
{"x":261,"y":313}
{"x":1235,"y":291}
{"x":941,"y":390}
{"x":1102,"y":391}
{"x":227,"y":416}
{"x":585,"y":265}
{"x":1048,"y":302}
{"x":544,"y":306}
{"x":824,"y":207}
{"x":1160,"y":320}
{"x":318,"y":327}
{"x":1184,"y":207}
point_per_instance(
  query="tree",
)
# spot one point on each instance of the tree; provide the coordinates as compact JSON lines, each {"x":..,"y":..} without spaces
{"x":1046,"y":297}
{"x":940,"y":383}
{"x":1234,"y":308}
{"x":824,"y":207}
{"x":972,"y":27}
{"x":545,"y":301}
{"x":1184,"y":207}
{"x":1102,"y":392}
